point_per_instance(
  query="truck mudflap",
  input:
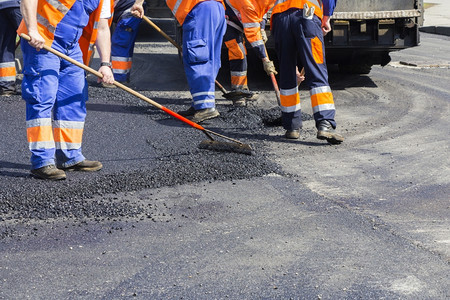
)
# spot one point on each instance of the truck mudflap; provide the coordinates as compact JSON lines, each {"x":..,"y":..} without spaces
{"x":368,"y":15}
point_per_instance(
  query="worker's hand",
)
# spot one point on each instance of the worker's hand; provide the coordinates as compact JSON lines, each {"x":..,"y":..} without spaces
{"x":269,"y":67}
{"x":137,"y":10}
{"x":326,"y":27}
{"x":264,"y":35}
{"x":107,"y":73}
{"x":300,"y":75}
{"x":36,"y":40}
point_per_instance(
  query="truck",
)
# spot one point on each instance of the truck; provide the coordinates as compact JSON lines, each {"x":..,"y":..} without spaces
{"x":364,"y":32}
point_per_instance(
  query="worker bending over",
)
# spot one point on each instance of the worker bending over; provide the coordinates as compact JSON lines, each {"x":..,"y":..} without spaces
{"x":55,"y":90}
{"x":298,"y":27}
{"x":245,"y":17}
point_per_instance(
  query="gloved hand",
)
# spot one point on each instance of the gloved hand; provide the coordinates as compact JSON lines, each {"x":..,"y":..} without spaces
{"x":269,"y":67}
{"x":264,"y":35}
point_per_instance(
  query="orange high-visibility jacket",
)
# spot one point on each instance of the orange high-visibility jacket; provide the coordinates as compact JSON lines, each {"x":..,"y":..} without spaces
{"x":251,"y":13}
{"x":49,"y":16}
{"x":181,"y":8}
{"x":283,"y":5}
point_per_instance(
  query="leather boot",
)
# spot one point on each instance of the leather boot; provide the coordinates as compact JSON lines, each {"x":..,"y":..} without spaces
{"x":49,"y":172}
{"x":325,"y":131}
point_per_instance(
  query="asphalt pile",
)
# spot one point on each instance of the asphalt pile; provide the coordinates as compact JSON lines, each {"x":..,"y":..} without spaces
{"x":174,"y":159}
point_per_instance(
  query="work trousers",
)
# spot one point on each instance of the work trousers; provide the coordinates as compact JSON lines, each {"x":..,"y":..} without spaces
{"x":122,"y":46}
{"x":302,"y":37}
{"x":10,"y":20}
{"x":55,"y":92}
{"x":237,"y":55}
{"x":203,"y":31}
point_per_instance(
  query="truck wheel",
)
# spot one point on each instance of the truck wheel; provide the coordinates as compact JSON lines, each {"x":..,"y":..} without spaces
{"x":355,"y":69}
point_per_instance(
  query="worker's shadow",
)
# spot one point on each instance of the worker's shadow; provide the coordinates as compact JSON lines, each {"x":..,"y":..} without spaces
{"x":10,"y":169}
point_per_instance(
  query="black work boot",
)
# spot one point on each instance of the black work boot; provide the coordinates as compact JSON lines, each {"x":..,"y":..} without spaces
{"x":327,"y":132}
{"x":201,"y":115}
{"x":49,"y":172}
{"x":292,"y":134}
{"x":85,"y":166}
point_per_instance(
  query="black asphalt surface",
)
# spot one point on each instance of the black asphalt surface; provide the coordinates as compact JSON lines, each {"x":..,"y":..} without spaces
{"x":368,"y":219}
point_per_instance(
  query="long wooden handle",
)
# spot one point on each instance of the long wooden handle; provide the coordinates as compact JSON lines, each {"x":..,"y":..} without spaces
{"x":162,"y":33}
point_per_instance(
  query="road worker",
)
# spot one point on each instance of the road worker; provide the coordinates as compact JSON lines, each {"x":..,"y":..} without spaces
{"x":55,"y":91}
{"x":10,"y":16}
{"x":245,"y":17}
{"x":298,"y":27}
{"x":204,"y":25}
{"x":124,"y":37}
{"x":237,"y":54}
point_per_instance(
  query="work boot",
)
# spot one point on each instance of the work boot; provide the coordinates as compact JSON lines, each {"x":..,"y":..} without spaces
{"x":292,"y":134}
{"x":49,"y":172}
{"x":327,"y":132}
{"x":85,"y":166}
{"x":201,"y":115}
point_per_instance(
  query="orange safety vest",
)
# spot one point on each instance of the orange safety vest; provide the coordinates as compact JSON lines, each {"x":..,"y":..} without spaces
{"x":284,"y":5}
{"x":48,"y":17}
{"x":181,"y":8}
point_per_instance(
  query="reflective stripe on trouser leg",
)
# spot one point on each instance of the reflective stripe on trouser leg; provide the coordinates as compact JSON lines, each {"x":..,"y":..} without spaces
{"x":287,"y":56}
{"x":69,"y":112}
{"x":202,"y":41}
{"x":122,"y":47}
{"x":7,"y":74}
{"x":237,"y":56}
{"x":39,"y":87}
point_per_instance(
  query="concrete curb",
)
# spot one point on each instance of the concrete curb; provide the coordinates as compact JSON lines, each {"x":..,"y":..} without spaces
{"x":442,"y":30}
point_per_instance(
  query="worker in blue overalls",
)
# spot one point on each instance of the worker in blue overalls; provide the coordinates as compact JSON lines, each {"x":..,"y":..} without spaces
{"x":124,"y":38}
{"x":55,"y":91}
{"x":10,"y":16}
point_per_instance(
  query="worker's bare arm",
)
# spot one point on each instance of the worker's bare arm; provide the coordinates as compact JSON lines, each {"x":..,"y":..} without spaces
{"x":29,"y":13}
{"x":103,"y":44}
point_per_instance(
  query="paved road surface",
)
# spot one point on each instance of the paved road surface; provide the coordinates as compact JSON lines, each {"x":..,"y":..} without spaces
{"x":300,"y":220}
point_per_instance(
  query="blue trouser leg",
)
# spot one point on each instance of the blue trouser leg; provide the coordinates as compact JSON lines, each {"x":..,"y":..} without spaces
{"x":55,"y":93}
{"x":10,"y":19}
{"x":69,"y":112}
{"x":203,"y":31}
{"x":122,"y":47}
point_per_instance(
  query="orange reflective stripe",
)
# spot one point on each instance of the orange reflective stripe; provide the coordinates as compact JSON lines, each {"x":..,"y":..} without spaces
{"x":122,"y":65}
{"x":317,"y":50}
{"x":234,"y":51}
{"x":68,"y":135}
{"x":239,"y":80}
{"x":322,"y":98}
{"x":7,"y":72}
{"x":289,"y":100}
{"x":39,"y":134}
